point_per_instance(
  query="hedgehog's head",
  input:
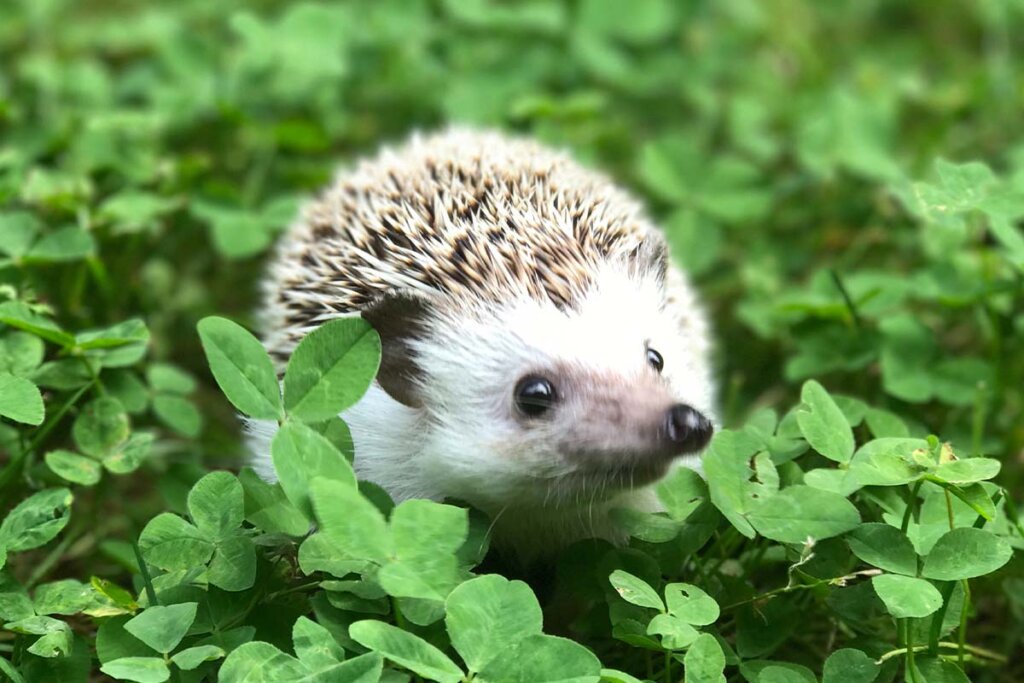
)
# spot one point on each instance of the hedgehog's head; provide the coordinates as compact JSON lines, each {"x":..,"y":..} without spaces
{"x":528,"y":401}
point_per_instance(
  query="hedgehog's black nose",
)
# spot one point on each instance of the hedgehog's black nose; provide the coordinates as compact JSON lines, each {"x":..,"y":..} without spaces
{"x":687,"y":429}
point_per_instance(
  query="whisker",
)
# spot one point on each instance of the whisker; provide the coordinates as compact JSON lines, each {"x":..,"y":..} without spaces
{"x":494,"y":522}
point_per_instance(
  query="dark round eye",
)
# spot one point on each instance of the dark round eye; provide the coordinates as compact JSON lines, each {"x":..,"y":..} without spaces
{"x":534,"y":396}
{"x":655,"y":360}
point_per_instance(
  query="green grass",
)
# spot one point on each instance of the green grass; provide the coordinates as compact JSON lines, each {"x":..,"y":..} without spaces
{"x":844,"y":180}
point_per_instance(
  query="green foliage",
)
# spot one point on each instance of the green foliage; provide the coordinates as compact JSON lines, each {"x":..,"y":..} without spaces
{"x":320,"y":658}
{"x":242,"y":369}
{"x":20,"y":400}
{"x":299,"y":455}
{"x":331,"y":369}
{"x":843,"y":181}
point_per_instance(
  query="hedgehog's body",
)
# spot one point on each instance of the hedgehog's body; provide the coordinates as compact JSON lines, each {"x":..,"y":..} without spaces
{"x":519,"y":298}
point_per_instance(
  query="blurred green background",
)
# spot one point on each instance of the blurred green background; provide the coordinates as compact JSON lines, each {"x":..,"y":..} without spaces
{"x":844,"y":180}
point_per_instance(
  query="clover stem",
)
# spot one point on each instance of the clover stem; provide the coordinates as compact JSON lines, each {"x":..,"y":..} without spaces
{"x":847,"y":299}
{"x":146,"y":578}
{"x":801,"y":586}
{"x":966,"y":603}
{"x":974,"y":650}
{"x":949,"y":509}
{"x":964,"y":607}
{"x":938,"y":617}
{"x":52,"y":422}
{"x":911,"y":504}
{"x":399,"y":617}
{"x":908,"y":643}
{"x":17,"y":464}
{"x":54,"y":555}
{"x":978,"y":419}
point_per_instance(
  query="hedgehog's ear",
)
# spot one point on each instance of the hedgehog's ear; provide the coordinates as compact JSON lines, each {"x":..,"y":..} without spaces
{"x":399,"y":317}
{"x":651,"y":257}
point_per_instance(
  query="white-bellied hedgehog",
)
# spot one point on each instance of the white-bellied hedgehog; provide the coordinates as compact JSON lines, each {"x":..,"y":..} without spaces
{"x":542,"y":359}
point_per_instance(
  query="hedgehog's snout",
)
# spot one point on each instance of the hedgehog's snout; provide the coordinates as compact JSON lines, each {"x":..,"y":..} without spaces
{"x":686,"y":429}
{"x":628,"y":423}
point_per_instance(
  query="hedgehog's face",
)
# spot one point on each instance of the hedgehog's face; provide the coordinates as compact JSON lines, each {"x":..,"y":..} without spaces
{"x":535,"y":404}
{"x":602,"y":429}
{"x":601,"y":398}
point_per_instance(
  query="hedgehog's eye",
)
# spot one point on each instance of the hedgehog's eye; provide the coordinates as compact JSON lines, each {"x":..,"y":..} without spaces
{"x":655,"y":360}
{"x":534,"y":395}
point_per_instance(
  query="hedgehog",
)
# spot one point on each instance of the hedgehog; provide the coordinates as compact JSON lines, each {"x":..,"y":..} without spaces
{"x":542,"y":358}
